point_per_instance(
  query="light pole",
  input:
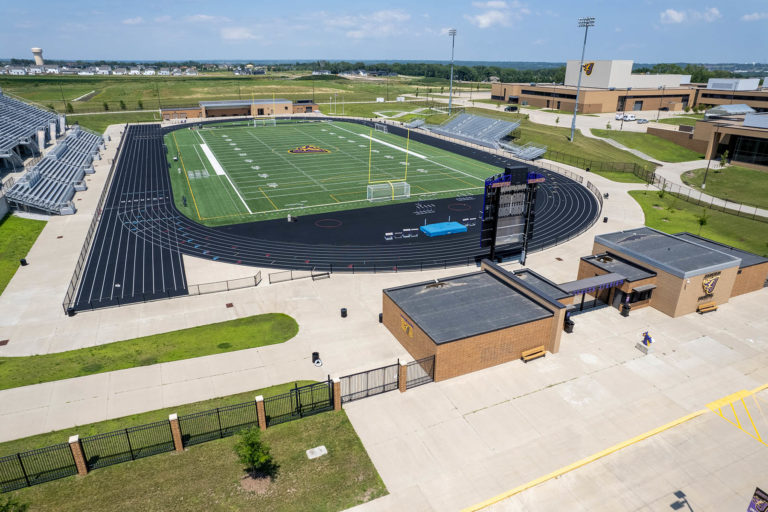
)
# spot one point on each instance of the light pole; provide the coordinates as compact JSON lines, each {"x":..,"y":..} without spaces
{"x":586,"y":23}
{"x":452,"y":33}
{"x":709,"y":160}
{"x":661,"y":101}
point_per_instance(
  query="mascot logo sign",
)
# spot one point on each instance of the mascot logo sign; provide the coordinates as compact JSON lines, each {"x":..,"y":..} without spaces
{"x":588,"y":67}
{"x":307,"y":149}
{"x":709,"y":284}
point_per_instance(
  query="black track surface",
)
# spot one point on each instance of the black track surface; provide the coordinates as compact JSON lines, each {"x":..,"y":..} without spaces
{"x":141,"y":235}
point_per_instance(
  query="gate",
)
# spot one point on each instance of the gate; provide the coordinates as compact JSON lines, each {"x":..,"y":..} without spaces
{"x":299,"y":402}
{"x":420,"y":372}
{"x":369,"y":383}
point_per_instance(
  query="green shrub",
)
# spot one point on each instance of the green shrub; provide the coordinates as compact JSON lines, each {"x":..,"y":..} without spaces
{"x":254,"y":453}
{"x":11,"y":505}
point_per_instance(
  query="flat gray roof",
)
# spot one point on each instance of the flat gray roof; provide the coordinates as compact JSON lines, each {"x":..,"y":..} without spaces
{"x":615,"y":264}
{"x":466,"y":305}
{"x":679,"y":257}
{"x":541,"y":284}
{"x":747,"y":258}
{"x":589,"y":284}
{"x":240,"y":103}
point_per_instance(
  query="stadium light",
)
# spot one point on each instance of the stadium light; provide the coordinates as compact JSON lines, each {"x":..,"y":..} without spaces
{"x":452,"y":33}
{"x":586,"y":23}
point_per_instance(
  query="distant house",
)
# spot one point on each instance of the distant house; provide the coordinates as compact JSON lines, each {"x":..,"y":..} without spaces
{"x":149,"y":71}
{"x":134,"y":71}
{"x":164,"y":72}
{"x":85,"y":72}
{"x":321,"y":72}
{"x":17,"y":71}
{"x":119,"y":71}
{"x":191,"y":72}
{"x":176,"y":72}
{"x":35,"y":70}
{"x":223,"y":67}
{"x":103,"y":70}
{"x":51,"y":70}
{"x":493,"y":79}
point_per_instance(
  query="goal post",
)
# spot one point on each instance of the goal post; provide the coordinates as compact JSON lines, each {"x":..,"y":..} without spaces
{"x":380,"y":128}
{"x":388,"y":191}
{"x":258,"y":123}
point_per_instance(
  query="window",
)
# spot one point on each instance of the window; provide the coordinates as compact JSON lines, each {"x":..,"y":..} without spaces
{"x":640,"y":296}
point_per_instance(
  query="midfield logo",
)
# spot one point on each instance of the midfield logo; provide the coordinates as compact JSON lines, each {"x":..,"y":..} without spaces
{"x":302,"y":150}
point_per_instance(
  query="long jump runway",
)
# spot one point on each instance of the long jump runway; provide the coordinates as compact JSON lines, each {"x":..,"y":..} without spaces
{"x":137,"y":251}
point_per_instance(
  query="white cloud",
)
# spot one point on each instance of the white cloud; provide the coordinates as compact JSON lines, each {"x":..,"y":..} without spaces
{"x":133,"y":21}
{"x":708,"y":15}
{"x":755,"y":16}
{"x":497,"y":13}
{"x":205,"y":18}
{"x":672,"y":16}
{"x":238,"y":34}
{"x":376,"y":24}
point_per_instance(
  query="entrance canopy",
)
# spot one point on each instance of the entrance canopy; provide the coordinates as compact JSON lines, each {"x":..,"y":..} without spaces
{"x":593,"y":284}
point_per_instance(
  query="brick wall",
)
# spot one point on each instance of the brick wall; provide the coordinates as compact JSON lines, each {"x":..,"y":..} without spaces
{"x":680,"y":138}
{"x":751,"y":279}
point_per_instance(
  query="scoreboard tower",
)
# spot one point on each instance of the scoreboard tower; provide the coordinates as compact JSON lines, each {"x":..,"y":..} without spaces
{"x":508,"y":210}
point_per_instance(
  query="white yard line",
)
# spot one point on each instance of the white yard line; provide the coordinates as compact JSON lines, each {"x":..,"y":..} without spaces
{"x":217,"y":166}
{"x":417,"y":155}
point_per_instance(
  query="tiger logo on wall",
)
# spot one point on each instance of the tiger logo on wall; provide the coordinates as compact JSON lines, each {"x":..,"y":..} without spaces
{"x":588,"y":67}
{"x":709,"y":284}
{"x":307,"y":149}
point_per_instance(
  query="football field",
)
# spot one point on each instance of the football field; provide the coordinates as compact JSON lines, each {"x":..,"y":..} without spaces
{"x":232,"y":173}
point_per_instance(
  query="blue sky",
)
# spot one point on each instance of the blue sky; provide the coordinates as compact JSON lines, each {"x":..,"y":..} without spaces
{"x":498,"y":30}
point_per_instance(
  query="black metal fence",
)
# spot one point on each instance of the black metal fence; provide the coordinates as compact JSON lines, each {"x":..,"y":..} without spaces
{"x":217,"y":423}
{"x":292,"y":275}
{"x":36,"y":466}
{"x":298,"y":403}
{"x":420,"y":372}
{"x":596,"y":165}
{"x":132,"y":443}
{"x":369,"y":383}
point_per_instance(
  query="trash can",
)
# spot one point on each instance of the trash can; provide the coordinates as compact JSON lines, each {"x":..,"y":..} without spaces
{"x":625,"y":308}
{"x":23,"y":262}
{"x":343,"y":312}
{"x":569,"y":326}
{"x":381,"y":317}
{"x":316,"y":359}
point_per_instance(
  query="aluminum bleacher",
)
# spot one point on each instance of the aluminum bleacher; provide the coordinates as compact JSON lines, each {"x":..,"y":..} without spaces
{"x":479,"y":130}
{"x":19,"y":127}
{"x":51,"y":184}
{"x":528,"y":151}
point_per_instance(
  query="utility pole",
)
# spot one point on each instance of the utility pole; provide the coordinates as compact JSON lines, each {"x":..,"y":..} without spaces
{"x":586,"y":23}
{"x":452,"y":33}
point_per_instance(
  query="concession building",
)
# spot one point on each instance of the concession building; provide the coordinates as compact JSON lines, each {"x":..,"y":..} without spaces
{"x":228,"y":108}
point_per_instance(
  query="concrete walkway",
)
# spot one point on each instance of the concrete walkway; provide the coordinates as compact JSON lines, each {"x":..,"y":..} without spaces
{"x":587,"y":132}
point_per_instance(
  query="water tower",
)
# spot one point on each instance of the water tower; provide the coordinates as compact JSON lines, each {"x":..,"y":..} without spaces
{"x":38,"y":54}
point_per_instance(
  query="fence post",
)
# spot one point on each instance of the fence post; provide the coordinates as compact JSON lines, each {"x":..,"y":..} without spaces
{"x":77,"y":453}
{"x":402,"y":376}
{"x":336,"y":394}
{"x":261,"y":413}
{"x":178,"y":442}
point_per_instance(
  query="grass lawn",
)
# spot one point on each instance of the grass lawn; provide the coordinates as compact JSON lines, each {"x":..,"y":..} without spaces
{"x":673,"y":215}
{"x":206,"y":477}
{"x":734,"y":183}
{"x":619,"y":176}
{"x":651,"y":145}
{"x":686,"y":120}
{"x":242,"y":333}
{"x":17,"y":236}
{"x":99,"y":122}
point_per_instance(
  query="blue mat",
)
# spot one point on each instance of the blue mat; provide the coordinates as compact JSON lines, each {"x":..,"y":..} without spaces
{"x":443,"y":228}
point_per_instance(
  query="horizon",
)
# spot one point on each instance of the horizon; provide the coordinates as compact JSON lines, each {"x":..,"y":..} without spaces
{"x":673,"y":31}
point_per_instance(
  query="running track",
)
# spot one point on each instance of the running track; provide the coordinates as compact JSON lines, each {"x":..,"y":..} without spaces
{"x":137,"y":250}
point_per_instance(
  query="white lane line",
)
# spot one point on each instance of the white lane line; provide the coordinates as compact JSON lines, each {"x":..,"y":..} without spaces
{"x":212,"y":159}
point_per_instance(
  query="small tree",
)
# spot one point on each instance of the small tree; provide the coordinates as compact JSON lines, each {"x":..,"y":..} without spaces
{"x":69,"y":109}
{"x":557,"y":120}
{"x":724,"y":159}
{"x":254,"y":453}
{"x":11,"y":505}
{"x":141,"y":105}
{"x":686,"y":109}
{"x":106,"y":106}
{"x":122,"y":105}
{"x":702,"y":219}
{"x":608,"y":126}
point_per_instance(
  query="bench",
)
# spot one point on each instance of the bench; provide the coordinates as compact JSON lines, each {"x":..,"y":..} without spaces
{"x":534,"y":353}
{"x":706,"y":307}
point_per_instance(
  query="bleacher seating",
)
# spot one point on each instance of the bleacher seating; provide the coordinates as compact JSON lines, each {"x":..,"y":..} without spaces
{"x":51,"y":184}
{"x":415,"y":123}
{"x":478,"y":130}
{"x":19,"y":124}
{"x":528,"y":151}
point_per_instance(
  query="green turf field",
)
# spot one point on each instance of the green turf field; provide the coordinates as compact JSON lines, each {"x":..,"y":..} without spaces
{"x":237,"y":173}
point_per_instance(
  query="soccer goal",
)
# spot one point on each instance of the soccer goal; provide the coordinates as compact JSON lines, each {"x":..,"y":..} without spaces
{"x":389,"y":191}
{"x":381,"y":128}
{"x":258,"y":123}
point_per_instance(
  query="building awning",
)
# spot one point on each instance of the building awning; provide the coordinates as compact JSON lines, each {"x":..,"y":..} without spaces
{"x":593,"y":284}
{"x":644,"y":288}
